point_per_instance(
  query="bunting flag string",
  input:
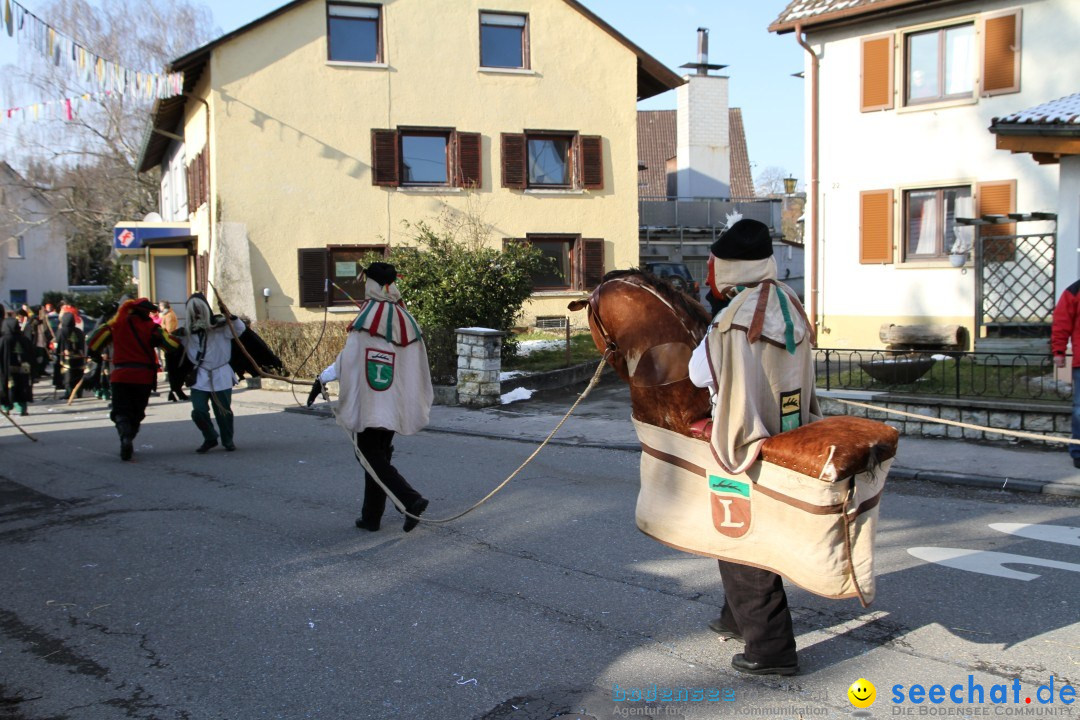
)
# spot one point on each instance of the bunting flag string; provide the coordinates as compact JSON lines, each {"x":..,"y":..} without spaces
{"x":28,"y":29}
{"x":65,"y":109}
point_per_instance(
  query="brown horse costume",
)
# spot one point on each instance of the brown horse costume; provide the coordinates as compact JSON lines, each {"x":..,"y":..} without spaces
{"x":816,"y":487}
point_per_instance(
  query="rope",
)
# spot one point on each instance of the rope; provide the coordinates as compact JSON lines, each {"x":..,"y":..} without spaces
{"x":847,"y":546}
{"x":955,"y":423}
{"x":400,"y":506}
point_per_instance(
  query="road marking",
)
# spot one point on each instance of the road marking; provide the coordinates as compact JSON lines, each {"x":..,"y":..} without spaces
{"x":1049,"y":533}
{"x":986,"y":562}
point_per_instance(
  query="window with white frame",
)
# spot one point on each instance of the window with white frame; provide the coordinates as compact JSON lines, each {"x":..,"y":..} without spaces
{"x":939,"y":64}
{"x":353,"y":32}
{"x":17,"y":247}
{"x":930,"y":230}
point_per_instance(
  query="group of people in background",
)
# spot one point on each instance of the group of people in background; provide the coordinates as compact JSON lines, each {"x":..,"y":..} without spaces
{"x":120,"y":360}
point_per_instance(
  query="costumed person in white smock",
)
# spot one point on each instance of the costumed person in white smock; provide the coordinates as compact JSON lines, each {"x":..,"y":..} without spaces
{"x":208,"y":345}
{"x":385,"y":388}
{"x":757,"y":360}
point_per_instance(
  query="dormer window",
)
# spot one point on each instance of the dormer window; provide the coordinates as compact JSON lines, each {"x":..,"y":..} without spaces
{"x":503,"y":40}
{"x":353,"y":33}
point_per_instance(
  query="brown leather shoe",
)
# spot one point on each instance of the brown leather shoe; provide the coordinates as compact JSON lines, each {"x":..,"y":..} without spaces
{"x":740,"y":663}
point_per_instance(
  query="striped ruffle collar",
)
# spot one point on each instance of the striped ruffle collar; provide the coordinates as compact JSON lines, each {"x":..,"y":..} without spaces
{"x":387,"y":320}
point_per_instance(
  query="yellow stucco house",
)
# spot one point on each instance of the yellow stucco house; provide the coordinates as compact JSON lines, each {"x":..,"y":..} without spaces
{"x":305,"y":138}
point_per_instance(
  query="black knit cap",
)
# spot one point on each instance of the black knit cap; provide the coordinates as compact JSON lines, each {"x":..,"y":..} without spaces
{"x":745,"y":240}
{"x":382,"y":273}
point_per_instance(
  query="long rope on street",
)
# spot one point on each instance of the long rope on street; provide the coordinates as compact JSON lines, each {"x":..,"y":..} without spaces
{"x":955,"y":423}
{"x":401,"y":506}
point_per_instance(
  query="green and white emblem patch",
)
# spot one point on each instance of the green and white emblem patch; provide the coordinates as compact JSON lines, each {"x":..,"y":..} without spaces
{"x":380,"y":369}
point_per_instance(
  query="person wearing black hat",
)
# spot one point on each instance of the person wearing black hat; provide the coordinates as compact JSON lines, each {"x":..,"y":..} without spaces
{"x":757,"y":361}
{"x":133,"y":335}
{"x":385,"y":383}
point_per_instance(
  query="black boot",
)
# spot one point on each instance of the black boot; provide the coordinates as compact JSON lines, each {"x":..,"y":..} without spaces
{"x":127,"y":438}
{"x":210,"y":438}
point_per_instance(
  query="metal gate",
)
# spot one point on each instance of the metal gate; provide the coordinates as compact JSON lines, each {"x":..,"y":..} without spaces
{"x":1014,"y":291}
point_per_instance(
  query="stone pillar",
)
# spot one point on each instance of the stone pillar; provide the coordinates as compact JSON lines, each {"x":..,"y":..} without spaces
{"x":479,"y":362}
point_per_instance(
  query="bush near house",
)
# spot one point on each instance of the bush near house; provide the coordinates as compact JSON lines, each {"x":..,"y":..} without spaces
{"x":99,"y":305}
{"x":449,"y":283}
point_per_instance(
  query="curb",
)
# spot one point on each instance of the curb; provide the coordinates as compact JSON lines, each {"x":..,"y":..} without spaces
{"x":986,"y":482}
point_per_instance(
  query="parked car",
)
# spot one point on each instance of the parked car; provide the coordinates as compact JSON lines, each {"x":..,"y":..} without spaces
{"x":678,"y":275}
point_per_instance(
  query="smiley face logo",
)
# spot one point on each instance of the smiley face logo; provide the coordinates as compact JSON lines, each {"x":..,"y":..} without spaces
{"x":862,"y":693}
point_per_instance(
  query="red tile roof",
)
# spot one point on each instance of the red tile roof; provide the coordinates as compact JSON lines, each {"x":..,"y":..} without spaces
{"x":657,"y":143}
{"x":742,"y":182}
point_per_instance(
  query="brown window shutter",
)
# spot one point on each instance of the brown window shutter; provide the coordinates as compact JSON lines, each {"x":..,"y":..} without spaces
{"x":312,"y":272}
{"x":592,"y":162}
{"x":876,"y":227}
{"x":513,"y":160}
{"x":189,"y":179}
{"x":206,"y":175}
{"x":877,"y":74}
{"x":997,"y":198}
{"x":1001,"y":54}
{"x":591,"y":262}
{"x":202,"y":271}
{"x":469,"y":166}
{"x":384,"y":158}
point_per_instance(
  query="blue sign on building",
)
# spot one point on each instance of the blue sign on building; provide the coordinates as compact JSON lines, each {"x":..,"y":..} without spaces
{"x":135,"y":236}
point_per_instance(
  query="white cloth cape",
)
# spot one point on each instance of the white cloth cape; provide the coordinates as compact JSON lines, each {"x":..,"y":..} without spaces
{"x":404,"y":405}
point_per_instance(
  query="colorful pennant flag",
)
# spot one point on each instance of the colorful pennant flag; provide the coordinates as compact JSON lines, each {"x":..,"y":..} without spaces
{"x":58,"y":48}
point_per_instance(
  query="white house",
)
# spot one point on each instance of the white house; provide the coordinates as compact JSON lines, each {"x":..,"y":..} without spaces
{"x":900,"y":94}
{"x":33,"y":243}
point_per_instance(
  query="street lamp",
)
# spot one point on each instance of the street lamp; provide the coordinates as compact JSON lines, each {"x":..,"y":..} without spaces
{"x":789,"y":185}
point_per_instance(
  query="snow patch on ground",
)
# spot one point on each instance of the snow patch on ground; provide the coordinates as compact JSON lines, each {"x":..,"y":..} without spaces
{"x":515,"y":395}
{"x":528,"y":347}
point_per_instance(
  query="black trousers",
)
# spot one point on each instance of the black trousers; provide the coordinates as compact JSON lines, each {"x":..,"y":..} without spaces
{"x":376,"y":446}
{"x":755,"y":605}
{"x":129,"y":402}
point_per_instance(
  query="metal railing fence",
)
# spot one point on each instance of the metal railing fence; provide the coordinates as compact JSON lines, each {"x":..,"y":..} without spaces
{"x":1007,"y":376}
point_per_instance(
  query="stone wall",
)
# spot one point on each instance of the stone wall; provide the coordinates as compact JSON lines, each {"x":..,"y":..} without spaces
{"x":1042,"y":418}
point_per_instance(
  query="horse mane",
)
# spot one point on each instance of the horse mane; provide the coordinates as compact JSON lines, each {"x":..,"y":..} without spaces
{"x":695,"y":310}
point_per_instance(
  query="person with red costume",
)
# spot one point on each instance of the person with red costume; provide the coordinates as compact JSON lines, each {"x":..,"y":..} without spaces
{"x":133,"y":335}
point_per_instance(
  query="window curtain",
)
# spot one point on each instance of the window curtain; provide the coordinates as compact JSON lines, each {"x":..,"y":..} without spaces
{"x":964,"y":234}
{"x":927,"y":243}
{"x":959,"y":60}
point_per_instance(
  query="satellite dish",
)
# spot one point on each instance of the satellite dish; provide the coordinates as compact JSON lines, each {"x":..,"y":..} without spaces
{"x":152,"y":217}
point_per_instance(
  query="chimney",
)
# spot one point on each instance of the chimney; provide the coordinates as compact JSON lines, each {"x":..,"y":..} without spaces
{"x":702,"y":65}
{"x":703,"y":144}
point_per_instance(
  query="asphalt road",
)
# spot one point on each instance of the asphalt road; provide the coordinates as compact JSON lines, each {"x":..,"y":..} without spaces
{"x":234,"y":585}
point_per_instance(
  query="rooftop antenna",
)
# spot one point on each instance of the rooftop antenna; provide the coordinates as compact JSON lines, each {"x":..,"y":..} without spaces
{"x":702,"y":65}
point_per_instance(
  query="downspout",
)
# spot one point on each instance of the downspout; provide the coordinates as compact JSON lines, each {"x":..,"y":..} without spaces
{"x":812,"y":314}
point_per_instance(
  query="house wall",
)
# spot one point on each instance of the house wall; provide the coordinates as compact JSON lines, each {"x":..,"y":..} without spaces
{"x":903,"y":148}
{"x":291,"y":134}
{"x":42,"y":266}
{"x":1068,"y":261}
